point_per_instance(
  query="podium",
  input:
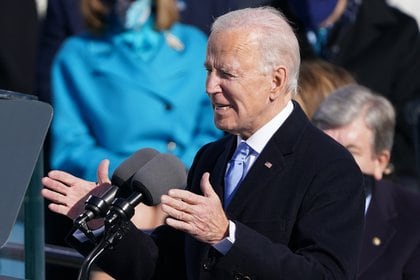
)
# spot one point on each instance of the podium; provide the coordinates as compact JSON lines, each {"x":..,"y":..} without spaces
{"x":24,"y":123}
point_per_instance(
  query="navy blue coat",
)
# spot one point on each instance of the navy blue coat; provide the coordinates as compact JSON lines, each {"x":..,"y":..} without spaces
{"x":299,"y":215}
{"x":391,"y":242}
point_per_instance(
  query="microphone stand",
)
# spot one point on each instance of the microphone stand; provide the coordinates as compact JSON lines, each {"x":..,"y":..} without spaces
{"x":94,"y":207}
{"x":116,"y":226}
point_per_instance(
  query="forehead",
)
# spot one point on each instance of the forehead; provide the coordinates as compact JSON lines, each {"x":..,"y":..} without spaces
{"x":356,"y":133}
{"x":234,"y":44}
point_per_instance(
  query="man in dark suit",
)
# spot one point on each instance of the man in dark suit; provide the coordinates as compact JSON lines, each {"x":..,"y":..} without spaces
{"x":364,"y":123}
{"x":297,"y":211}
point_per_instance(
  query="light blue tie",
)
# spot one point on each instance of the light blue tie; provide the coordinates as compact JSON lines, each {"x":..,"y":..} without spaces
{"x":236,"y":170}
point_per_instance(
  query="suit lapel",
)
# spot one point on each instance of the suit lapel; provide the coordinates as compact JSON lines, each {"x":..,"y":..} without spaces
{"x":379,"y":229}
{"x":267,"y":166}
{"x":218,"y":173}
{"x":271,"y":161}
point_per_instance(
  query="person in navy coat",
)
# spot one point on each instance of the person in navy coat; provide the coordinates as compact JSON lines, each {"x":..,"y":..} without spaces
{"x":380,"y":46}
{"x":297,"y":213}
{"x":364,"y":123}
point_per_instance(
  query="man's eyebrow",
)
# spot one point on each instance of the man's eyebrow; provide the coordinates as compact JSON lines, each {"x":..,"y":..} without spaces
{"x":352,"y":146}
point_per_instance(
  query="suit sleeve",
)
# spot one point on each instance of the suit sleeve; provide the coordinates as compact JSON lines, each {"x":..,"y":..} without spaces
{"x":139,"y":256}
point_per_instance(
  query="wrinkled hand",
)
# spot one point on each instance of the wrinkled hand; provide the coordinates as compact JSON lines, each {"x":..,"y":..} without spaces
{"x":202,"y":217}
{"x":68,"y":193}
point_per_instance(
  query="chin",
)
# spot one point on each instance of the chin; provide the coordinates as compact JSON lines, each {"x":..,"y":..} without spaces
{"x":223,"y":127}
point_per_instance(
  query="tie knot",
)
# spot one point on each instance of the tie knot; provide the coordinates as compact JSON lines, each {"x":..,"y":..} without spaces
{"x":241,"y":152}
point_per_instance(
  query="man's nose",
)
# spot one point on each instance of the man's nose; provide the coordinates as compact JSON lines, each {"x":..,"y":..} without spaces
{"x":212,"y":83}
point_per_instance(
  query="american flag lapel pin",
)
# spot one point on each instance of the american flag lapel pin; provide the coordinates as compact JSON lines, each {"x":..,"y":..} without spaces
{"x":268,"y":164}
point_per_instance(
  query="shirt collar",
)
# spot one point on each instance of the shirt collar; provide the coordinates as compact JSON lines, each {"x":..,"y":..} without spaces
{"x":260,"y":138}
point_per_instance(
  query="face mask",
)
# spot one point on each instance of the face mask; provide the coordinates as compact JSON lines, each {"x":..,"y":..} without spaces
{"x":312,"y":12}
{"x":131,"y":14}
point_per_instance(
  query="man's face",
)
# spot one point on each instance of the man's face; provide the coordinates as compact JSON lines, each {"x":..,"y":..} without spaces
{"x":358,"y":139}
{"x":240,"y":93}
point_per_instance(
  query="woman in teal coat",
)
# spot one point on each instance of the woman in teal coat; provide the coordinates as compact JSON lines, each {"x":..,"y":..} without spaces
{"x":135,"y":80}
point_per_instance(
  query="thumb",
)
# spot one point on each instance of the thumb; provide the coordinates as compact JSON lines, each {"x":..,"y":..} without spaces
{"x":103,"y":172}
{"x":206,"y":187}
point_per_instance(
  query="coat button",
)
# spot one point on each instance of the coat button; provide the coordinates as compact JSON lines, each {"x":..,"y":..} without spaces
{"x":376,"y":241}
{"x":171,"y":146}
{"x":208,"y":264}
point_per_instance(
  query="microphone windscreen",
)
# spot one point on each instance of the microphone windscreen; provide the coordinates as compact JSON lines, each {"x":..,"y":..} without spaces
{"x":158,"y":176}
{"x":131,"y":165}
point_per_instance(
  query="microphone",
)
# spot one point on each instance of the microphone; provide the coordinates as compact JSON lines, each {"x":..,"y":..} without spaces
{"x":121,"y":178}
{"x":155,"y":178}
{"x":152,"y":180}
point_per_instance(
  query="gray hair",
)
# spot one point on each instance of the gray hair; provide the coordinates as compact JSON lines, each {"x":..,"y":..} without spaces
{"x":277,"y":41}
{"x":347,"y":103}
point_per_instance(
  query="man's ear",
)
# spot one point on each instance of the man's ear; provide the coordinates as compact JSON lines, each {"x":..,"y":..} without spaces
{"x":381,"y":164}
{"x":278,"y":82}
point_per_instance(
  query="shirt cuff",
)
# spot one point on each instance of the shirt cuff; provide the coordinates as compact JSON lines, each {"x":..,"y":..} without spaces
{"x":224,"y":245}
{"x":81,"y":237}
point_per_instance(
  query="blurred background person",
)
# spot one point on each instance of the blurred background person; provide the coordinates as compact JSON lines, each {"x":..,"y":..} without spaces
{"x":62,"y":19}
{"x":379,"y":45}
{"x":18,"y":36}
{"x":202,"y":13}
{"x":135,"y":79}
{"x":364,"y":123}
{"x":318,"y":78}
{"x":126,"y":85}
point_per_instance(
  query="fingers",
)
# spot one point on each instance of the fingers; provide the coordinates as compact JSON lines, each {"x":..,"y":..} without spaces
{"x":184,"y":195}
{"x":201,"y":216}
{"x":58,"y":208}
{"x":180,"y":215}
{"x":67,"y":192}
{"x":102,"y":173}
{"x":53,"y":196}
{"x":181,"y":225}
{"x":55,"y":185}
{"x":176,"y":207}
{"x":64,"y":177}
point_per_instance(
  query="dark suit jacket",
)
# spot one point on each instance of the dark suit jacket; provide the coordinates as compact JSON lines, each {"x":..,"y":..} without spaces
{"x":298,"y":214}
{"x":18,"y":39}
{"x":391,"y":243}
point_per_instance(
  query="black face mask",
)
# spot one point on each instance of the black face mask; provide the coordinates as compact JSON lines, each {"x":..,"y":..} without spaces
{"x":368,"y":182}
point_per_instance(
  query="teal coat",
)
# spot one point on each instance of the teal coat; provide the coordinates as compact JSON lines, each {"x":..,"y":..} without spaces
{"x":111,"y":99}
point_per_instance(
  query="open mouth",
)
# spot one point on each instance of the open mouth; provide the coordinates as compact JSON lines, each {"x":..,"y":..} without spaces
{"x":220,"y":107}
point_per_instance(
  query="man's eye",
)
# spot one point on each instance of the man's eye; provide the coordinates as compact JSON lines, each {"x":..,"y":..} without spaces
{"x":226,"y":74}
